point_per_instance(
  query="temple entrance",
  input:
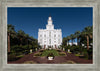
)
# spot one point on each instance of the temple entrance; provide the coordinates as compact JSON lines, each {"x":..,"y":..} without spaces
{"x":44,"y":46}
{"x":55,"y":47}
{"x":50,"y":47}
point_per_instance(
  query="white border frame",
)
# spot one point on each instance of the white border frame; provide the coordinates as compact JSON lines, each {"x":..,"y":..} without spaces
{"x":49,"y":3}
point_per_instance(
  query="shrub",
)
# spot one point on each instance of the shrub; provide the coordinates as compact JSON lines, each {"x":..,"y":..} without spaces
{"x":90,"y":53}
{"x":11,"y":57}
{"x":75,"y":49}
{"x":20,"y":56}
{"x":38,"y":54}
{"x":58,"y":50}
{"x":46,"y":52}
{"x":50,"y":55}
{"x":77,"y":54}
{"x":69,"y":52}
{"x":17,"y":48}
{"x":62,"y":53}
{"x":41,"y":50}
{"x":85,"y":55}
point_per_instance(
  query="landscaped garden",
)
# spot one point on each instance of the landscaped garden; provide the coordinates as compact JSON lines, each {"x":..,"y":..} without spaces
{"x":46,"y":52}
{"x":23,"y":48}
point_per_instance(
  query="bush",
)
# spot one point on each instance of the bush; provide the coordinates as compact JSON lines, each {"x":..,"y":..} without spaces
{"x":85,"y":53}
{"x":58,"y":50}
{"x":46,"y":52}
{"x":90,"y":53}
{"x":62,"y":53}
{"x":38,"y":54}
{"x":77,"y":54}
{"x":17,"y":48}
{"x":41,"y":50}
{"x":76,"y":49}
{"x":50,"y":55}
{"x":20,"y":56}
{"x":11,"y":57}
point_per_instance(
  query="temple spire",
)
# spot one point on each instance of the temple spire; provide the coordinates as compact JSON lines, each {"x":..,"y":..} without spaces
{"x":49,"y":20}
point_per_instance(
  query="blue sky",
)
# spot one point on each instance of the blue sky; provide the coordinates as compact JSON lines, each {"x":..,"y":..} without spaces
{"x":69,"y":19}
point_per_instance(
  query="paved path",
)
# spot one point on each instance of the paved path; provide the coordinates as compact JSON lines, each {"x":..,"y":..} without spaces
{"x":57,"y":59}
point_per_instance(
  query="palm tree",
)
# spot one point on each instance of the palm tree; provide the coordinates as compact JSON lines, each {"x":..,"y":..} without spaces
{"x":87,"y":32}
{"x":32,"y":40}
{"x":10,"y":31}
{"x":27,"y":38}
{"x":64,"y":41}
{"x":72,"y":38}
{"x":77,"y":34}
{"x":21,"y":34}
{"x":68,"y":39}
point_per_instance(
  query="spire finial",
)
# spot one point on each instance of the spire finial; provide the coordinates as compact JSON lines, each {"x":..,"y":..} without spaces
{"x":49,"y":17}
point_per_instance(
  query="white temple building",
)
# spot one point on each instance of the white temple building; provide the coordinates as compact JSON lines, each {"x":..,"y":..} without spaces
{"x":50,"y":37}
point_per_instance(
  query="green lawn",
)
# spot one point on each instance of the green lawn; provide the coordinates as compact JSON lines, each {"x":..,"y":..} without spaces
{"x":46,"y":52}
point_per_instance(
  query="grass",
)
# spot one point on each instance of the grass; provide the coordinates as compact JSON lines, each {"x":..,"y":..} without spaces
{"x":38,"y":54}
{"x":69,"y":52}
{"x":20,"y":56}
{"x":29,"y":62}
{"x":77,"y":54}
{"x":62,"y":53}
{"x":46,"y":52}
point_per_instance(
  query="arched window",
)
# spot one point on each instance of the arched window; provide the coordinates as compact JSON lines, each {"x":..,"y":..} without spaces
{"x":49,"y":41}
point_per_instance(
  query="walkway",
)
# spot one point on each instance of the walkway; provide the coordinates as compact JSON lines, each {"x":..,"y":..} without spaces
{"x":57,"y":59}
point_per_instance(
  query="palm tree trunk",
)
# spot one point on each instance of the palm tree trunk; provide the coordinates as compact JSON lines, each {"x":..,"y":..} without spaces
{"x":8,"y":42}
{"x":21,"y":41}
{"x":77,"y":40}
{"x":67,"y":43}
{"x":87,"y":42}
{"x":72,"y":42}
{"x":28,"y":43}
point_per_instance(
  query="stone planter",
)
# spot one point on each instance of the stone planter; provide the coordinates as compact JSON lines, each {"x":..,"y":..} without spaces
{"x":50,"y":58}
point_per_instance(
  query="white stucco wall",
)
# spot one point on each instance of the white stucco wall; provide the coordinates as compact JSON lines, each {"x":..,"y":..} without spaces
{"x":50,"y":36}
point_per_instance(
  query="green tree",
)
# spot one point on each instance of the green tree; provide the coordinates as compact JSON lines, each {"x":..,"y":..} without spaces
{"x":11,"y":32}
{"x":87,"y":32}
{"x":64,"y":41}
{"x":68,"y":39}
{"x":72,"y":37}
{"x":77,"y":34}
{"x":21,"y":34}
